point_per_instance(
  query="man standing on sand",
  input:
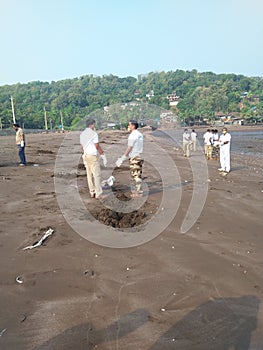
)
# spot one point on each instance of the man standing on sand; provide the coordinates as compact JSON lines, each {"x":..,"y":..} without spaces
{"x":207,"y":141}
{"x":186,"y":143}
{"x":193,"y":140}
{"x":89,"y":141}
{"x":21,"y":144}
{"x":134,"y":152}
{"x":224,"y":142}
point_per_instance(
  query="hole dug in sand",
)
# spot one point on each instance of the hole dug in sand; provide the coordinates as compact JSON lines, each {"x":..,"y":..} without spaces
{"x":116,"y":219}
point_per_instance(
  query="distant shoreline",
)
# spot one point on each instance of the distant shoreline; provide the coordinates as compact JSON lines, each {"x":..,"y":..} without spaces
{"x":253,"y":127}
{"x":229,"y":127}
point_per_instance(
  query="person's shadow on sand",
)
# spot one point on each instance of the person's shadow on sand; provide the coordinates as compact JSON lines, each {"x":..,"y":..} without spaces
{"x":85,"y":337}
{"x":222,"y":324}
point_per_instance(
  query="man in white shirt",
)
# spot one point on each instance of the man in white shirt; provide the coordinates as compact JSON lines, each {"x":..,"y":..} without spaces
{"x":193,"y":140}
{"x":134,"y":152}
{"x":208,"y":144}
{"x":224,"y":141}
{"x":89,"y":141}
{"x":186,"y":143}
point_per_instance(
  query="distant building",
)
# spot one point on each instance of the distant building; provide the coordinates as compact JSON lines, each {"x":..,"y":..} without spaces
{"x":150,"y":94}
{"x":237,"y":121}
{"x":173,"y":99}
{"x":109,"y":125}
{"x":168,"y":117}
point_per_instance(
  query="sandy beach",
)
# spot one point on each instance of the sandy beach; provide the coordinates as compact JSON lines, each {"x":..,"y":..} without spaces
{"x":181,"y":270}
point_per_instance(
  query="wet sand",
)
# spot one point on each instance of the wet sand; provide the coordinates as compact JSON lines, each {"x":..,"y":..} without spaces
{"x":198,"y":290}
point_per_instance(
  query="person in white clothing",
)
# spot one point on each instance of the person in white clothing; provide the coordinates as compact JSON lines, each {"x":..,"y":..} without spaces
{"x":91,"y":150}
{"x":134,"y":153}
{"x":186,"y":143}
{"x":208,"y":143}
{"x":193,"y":140}
{"x":224,"y":142}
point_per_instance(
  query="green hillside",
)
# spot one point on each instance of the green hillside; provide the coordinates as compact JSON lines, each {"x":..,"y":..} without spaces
{"x":200,"y":96}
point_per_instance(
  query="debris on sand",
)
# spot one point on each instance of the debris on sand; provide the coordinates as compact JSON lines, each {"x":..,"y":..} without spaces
{"x":19,"y":279}
{"x":23,"y":318}
{"x":108,"y":183}
{"x":49,"y":232}
{"x":86,"y":272}
{"x":2,"y":332}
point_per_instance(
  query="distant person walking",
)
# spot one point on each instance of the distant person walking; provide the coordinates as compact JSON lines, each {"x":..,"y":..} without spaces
{"x":21,"y":143}
{"x":193,"y":140}
{"x":224,"y":142}
{"x":134,"y":153}
{"x":186,"y":143}
{"x":89,"y":141}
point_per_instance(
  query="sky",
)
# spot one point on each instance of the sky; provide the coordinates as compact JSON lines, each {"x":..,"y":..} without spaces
{"x":51,"y":40}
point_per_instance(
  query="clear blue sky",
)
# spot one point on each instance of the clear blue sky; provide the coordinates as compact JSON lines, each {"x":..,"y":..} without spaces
{"x":58,"y":39}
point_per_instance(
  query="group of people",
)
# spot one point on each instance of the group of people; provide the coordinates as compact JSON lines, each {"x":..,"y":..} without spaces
{"x":215,"y":146}
{"x":211,"y":144}
{"x":92,"y":152}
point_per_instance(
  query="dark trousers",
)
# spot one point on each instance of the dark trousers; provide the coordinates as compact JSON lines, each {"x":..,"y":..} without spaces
{"x":21,"y":153}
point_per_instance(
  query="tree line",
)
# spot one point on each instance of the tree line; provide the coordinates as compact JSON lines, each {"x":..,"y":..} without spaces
{"x":202,"y":95}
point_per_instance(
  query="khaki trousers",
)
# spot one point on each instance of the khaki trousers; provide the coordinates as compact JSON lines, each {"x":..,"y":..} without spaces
{"x":186,"y":149}
{"x":92,"y":166}
{"x":209,"y":152}
{"x":193,"y":146}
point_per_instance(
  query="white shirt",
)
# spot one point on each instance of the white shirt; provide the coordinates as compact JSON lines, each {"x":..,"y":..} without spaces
{"x":215,"y":137}
{"x":135,"y":140}
{"x":223,"y":138}
{"x":186,"y":137}
{"x":88,"y":138}
{"x":207,"y":136}
{"x":19,"y":136}
{"x":193,"y":135}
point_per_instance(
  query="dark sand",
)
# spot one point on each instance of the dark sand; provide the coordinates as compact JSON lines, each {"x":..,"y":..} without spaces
{"x":201,"y":290}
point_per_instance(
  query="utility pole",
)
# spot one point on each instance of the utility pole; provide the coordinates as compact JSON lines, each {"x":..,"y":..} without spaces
{"x":45,"y":117}
{"x":61,"y":120}
{"x":13,"y":110}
